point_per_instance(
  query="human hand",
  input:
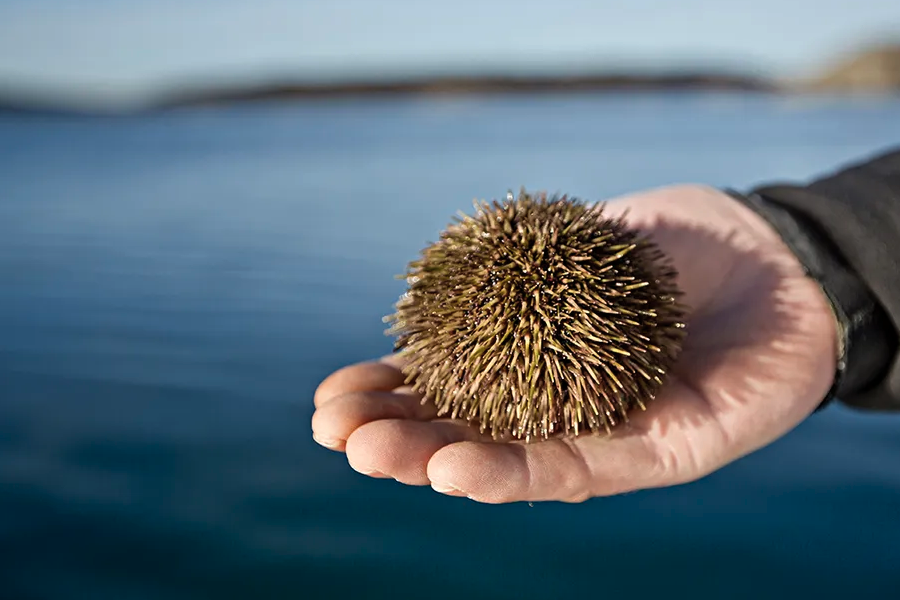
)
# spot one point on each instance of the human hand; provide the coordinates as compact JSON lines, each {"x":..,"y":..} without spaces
{"x":758,"y":358}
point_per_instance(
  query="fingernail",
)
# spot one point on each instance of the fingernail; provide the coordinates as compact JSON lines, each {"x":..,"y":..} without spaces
{"x":374,"y":474}
{"x":328,"y":443}
{"x":443,"y":488}
{"x":369,"y":472}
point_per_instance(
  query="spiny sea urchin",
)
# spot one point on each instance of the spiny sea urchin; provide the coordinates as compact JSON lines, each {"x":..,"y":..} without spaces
{"x":539,"y":316}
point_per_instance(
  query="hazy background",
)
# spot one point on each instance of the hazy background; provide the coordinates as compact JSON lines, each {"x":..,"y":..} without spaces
{"x":174,"y":284}
{"x":122,"y":48}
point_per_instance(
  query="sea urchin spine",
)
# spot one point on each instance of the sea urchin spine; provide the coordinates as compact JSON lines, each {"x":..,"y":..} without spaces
{"x":539,"y":316}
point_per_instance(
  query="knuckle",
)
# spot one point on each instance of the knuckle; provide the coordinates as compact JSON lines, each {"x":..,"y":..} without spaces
{"x":675,"y":464}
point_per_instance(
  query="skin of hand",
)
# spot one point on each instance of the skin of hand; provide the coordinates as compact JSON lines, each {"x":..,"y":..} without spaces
{"x":759,"y":356}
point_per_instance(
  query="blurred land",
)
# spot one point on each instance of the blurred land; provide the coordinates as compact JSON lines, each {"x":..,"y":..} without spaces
{"x":875,"y":70}
{"x":486,"y":84}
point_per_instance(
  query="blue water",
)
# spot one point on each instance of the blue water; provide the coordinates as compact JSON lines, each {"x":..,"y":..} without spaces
{"x":173,"y":287}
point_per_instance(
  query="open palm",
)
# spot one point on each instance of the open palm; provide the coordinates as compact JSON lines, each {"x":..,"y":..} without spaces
{"x":758,"y":358}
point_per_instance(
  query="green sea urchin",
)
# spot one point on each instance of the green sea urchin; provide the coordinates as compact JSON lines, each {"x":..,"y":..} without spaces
{"x":539,"y":316}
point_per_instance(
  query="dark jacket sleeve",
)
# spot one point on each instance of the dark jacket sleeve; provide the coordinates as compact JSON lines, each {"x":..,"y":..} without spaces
{"x":845,"y":229}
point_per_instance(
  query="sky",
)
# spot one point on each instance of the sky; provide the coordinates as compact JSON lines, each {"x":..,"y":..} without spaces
{"x":137,"y":46}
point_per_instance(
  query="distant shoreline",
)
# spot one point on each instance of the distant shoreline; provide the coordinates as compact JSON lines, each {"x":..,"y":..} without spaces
{"x":876,"y":70}
{"x":416,"y":87}
{"x":472,"y":86}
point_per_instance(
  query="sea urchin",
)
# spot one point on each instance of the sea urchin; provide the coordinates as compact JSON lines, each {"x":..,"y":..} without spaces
{"x":539,"y":316}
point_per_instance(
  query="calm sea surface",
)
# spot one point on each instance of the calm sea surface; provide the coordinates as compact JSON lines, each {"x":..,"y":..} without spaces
{"x":173,"y":287}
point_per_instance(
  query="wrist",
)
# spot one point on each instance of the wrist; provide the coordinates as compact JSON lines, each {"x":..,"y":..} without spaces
{"x":864,"y":345}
